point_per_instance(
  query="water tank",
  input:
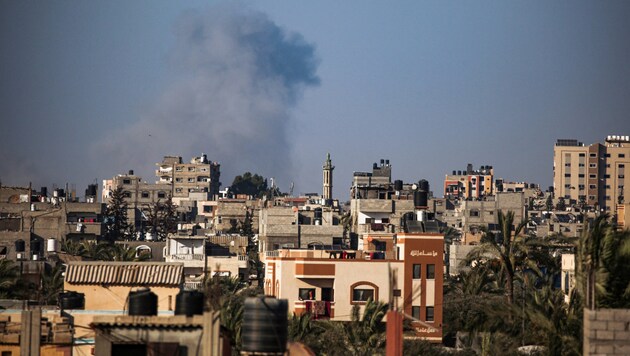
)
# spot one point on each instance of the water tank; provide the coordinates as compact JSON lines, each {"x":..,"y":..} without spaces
{"x":143,"y":302}
{"x":264,"y":327}
{"x":398,"y":185}
{"x":420,"y":198}
{"x":20,"y":245}
{"x":189,"y":303}
{"x":71,"y":300}
{"x":423,"y":184}
{"x":33,"y":207}
{"x":91,"y":190}
{"x":131,"y":172}
{"x":51,"y":245}
{"x":44,"y":192}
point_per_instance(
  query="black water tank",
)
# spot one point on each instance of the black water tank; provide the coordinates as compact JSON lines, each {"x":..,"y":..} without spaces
{"x":423,"y":184}
{"x":44,"y":192}
{"x":71,"y":300}
{"x":420,"y":198}
{"x":142,"y":302}
{"x":189,"y":303}
{"x":265,"y":325}
{"x":398,"y":185}
{"x":20,"y":245}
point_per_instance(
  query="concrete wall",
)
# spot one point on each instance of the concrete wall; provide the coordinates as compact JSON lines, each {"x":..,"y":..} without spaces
{"x":607,"y":332}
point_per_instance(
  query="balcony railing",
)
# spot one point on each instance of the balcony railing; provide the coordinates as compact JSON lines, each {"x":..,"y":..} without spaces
{"x":187,"y":257}
{"x":319,"y":309}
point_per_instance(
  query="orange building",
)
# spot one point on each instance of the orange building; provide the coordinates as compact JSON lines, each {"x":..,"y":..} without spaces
{"x":328,"y":283}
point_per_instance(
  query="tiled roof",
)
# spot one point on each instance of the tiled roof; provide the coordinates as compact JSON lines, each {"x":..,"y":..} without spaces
{"x":125,"y":273}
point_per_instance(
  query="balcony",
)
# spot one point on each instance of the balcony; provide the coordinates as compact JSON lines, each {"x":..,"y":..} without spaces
{"x":187,"y":257}
{"x":319,"y":309}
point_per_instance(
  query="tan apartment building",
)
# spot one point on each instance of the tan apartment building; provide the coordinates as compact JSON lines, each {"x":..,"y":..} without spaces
{"x":594,"y":174}
{"x":198,"y":176}
{"x":328,"y":283}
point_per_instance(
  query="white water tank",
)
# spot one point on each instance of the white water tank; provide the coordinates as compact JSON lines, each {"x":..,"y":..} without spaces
{"x":51,"y":245}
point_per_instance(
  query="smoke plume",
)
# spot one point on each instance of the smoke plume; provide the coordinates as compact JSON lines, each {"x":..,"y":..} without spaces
{"x":237,"y":76}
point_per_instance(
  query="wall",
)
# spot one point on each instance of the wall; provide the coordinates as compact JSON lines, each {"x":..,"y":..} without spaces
{"x":607,"y":332}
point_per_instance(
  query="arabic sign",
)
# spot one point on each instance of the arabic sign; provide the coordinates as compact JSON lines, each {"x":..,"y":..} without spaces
{"x":415,"y":253}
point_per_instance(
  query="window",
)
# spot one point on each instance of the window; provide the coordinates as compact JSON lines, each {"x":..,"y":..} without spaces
{"x":126,"y":181}
{"x":621,"y":176}
{"x":430,"y":316}
{"x":592,"y":176}
{"x":474,"y":213}
{"x":608,"y":155}
{"x":127,"y":194}
{"x":145,"y":194}
{"x":567,"y":175}
{"x":581,"y":175}
{"x":178,"y":190}
{"x":622,"y":166}
{"x":191,"y":180}
{"x":360,"y":292}
{"x":581,"y":187}
{"x":567,"y":186}
{"x":581,"y":165}
{"x":415,"y":312}
{"x":362,"y":295}
{"x":179,"y":169}
{"x":417,"y":271}
{"x":592,"y":186}
{"x":593,"y":155}
{"x":622,"y":155}
{"x":179,"y":180}
{"x":306,"y":294}
{"x":582,"y":155}
{"x":431,"y":271}
{"x":191,"y":169}
{"x":568,"y":164}
{"x":592,"y":165}
{"x":607,"y":176}
{"x":161,"y":195}
{"x":207,"y":208}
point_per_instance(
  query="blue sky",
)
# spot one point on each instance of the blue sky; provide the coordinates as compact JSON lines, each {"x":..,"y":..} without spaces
{"x":93,"y":89}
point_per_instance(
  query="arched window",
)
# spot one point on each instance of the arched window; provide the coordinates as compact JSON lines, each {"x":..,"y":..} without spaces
{"x":360,"y":292}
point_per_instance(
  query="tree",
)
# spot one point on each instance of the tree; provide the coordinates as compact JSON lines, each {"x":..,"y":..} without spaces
{"x":254,"y":185}
{"x":603,"y":265}
{"x":116,"y":224}
{"x":562,"y":205}
{"x":549,"y":203}
{"x":162,"y":218}
{"x":52,"y":285}
{"x":507,"y":246}
{"x":9,"y":272}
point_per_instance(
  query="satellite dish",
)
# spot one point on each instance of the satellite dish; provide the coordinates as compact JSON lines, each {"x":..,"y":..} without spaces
{"x":414,"y":186}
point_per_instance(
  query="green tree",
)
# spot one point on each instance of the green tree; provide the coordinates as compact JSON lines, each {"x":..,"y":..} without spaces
{"x":249,"y":184}
{"x":9,"y":273}
{"x":117,"y":226}
{"x":507,"y":245}
{"x":162,"y":218}
{"x":549,"y":203}
{"x":52,"y":285}
{"x":562,"y":205}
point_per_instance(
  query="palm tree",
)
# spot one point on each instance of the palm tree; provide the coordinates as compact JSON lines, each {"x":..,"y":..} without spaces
{"x":71,"y":247}
{"x":508,"y":248}
{"x":603,"y":265}
{"x":123,"y":253}
{"x":97,"y":251}
{"x":52,"y":285}
{"x":8,"y":277}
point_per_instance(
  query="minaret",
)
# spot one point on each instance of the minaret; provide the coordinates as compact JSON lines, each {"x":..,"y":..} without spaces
{"x":328,"y":178}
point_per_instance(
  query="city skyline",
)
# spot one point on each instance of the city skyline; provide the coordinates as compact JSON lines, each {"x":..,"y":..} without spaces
{"x":94,"y":90}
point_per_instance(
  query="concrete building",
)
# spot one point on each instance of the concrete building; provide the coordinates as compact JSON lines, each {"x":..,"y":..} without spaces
{"x":201,"y":257}
{"x":470,"y":183}
{"x":198,"y":176}
{"x":299,"y":227}
{"x":328,"y":283}
{"x":594,"y":174}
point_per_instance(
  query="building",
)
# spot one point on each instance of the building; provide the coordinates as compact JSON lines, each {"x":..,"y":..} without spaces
{"x":470,"y":183}
{"x":328,"y":283}
{"x":198,"y":176}
{"x":593,"y":175}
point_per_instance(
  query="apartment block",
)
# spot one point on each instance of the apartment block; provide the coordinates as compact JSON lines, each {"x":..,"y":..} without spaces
{"x":198,"y":176}
{"x":470,"y":183}
{"x":593,"y":174}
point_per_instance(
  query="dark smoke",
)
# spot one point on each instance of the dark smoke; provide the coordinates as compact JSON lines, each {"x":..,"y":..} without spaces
{"x":238,"y":75}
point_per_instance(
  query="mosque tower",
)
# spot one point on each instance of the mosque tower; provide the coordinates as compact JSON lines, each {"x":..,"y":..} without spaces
{"x":328,"y":178}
